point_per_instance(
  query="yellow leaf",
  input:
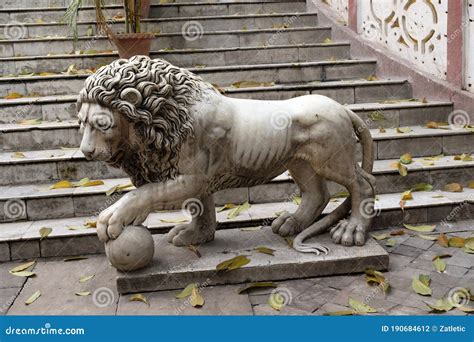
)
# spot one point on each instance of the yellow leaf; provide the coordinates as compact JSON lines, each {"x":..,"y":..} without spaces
{"x":457,"y":242}
{"x":432,"y":124}
{"x":238,"y":210}
{"x":18,"y":155}
{"x":380,"y":236}
{"x":391,"y":243}
{"x":251,"y":84}
{"x":421,"y":287}
{"x":86,"y":182}
{"x":195,"y":250}
{"x":453,"y":187}
{"x":33,"y":297}
{"x":226,"y":207}
{"x":74,"y":258}
{"x":196,"y":299}
{"x":177,"y":220}
{"x":382,"y":130}
{"x":403,"y":130}
{"x":62,"y":185}
{"x":443,"y":240}
{"x":44,"y":232}
{"x":83,"y":294}
{"x":375,"y":277}
{"x":470,"y":185}
{"x":186,"y":292}
{"x":361,"y":307}
{"x":233,"y":263}
{"x":265,"y":250}
{"x":439,"y":265}
{"x":422,"y":228}
{"x":13,"y":95}
{"x":25,"y":274}
{"x":441,"y":305}
{"x":424,"y":100}
{"x":256,"y":285}
{"x":469,"y":243}
{"x":30,"y":122}
{"x":251,"y":229}
{"x":372,"y":78}
{"x":327,"y":41}
{"x":289,"y":241}
{"x":86,"y":278}
{"x":91,"y":224}
{"x":407,"y":195}
{"x":23,"y":267}
{"x":406,"y":159}
{"x":428,"y":237}
{"x":138,"y":298}
{"x":402,"y":169}
{"x":118,"y":188}
{"x":422,"y":187}
{"x":297,"y":200}
{"x":46,"y":74}
{"x":39,"y":21}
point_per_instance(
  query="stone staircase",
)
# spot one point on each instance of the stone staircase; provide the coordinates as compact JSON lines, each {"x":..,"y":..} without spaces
{"x":276,"y":45}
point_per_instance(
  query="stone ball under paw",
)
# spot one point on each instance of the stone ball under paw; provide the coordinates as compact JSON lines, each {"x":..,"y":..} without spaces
{"x":132,"y":250}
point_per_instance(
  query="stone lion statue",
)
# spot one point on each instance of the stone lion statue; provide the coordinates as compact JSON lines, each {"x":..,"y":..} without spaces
{"x":180,"y":140}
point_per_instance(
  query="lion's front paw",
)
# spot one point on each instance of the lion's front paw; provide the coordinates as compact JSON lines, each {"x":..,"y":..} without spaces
{"x":188,"y":234}
{"x":286,"y":225}
{"x":348,"y":233}
{"x":124,"y":212}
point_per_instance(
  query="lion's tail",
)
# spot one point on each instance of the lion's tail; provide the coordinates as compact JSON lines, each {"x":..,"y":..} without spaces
{"x":341,"y":211}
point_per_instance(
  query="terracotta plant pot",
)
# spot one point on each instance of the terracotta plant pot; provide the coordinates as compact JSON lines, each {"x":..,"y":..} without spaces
{"x":132,"y":44}
{"x":145,"y":8}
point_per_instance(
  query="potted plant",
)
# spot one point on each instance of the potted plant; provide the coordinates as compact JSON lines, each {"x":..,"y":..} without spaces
{"x":129,"y":43}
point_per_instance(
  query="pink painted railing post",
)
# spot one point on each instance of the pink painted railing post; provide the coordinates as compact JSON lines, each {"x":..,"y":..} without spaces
{"x":353,"y":15}
{"x":454,"y":73}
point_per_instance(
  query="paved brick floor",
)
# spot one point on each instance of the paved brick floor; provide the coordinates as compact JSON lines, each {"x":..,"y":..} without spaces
{"x":58,"y":281}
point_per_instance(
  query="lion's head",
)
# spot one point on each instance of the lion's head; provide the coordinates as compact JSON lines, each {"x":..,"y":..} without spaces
{"x":134,"y":114}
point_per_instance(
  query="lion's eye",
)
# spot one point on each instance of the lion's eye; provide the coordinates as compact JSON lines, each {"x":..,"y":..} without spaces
{"x":103,"y":122}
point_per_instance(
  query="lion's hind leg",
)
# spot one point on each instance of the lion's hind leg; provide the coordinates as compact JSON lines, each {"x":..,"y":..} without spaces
{"x":314,"y":199}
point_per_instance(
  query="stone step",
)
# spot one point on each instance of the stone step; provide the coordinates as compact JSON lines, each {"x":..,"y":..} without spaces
{"x":22,"y":240}
{"x":167,"y":25}
{"x":30,"y":4}
{"x":70,"y":164}
{"x":184,"y":58}
{"x":172,"y":268}
{"x":221,"y":76}
{"x":41,"y":202}
{"x":421,"y":142}
{"x":62,"y":107}
{"x":188,"y":9}
{"x":211,"y":39}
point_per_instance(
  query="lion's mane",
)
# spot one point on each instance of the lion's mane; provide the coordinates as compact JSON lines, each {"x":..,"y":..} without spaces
{"x":161,"y":117}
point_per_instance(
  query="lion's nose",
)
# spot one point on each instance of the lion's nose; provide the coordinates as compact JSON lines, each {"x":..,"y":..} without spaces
{"x":87,"y":150}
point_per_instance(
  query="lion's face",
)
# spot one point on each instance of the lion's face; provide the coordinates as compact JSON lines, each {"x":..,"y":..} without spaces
{"x":103,"y":132}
